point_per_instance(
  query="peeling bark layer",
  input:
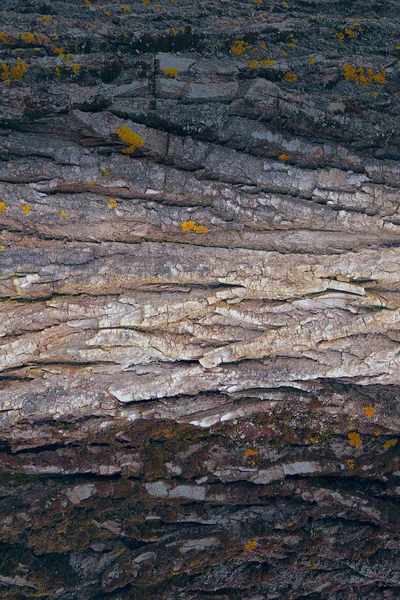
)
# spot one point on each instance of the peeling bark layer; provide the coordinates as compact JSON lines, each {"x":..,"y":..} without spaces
{"x":200,"y":300}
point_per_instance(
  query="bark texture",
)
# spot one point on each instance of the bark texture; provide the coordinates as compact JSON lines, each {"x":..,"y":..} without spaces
{"x":200,"y":300}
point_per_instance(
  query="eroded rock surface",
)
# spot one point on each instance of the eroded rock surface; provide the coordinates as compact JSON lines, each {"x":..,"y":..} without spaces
{"x":200,"y":300}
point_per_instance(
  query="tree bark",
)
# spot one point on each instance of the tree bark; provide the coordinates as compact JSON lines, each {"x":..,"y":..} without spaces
{"x":200,"y":300}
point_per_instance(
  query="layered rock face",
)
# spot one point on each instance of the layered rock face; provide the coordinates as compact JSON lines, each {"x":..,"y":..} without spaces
{"x":200,"y":300}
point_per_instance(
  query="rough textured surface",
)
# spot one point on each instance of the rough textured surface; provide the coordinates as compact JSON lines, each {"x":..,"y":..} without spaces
{"x":200,"y":300}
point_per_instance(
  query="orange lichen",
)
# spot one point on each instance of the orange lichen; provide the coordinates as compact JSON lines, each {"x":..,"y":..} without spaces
{"x":350,"y":463}
{"x":59,"y":51}
{"x":358,"y":74}
{"x":354,"y":439}
{"x":290,"y":77}
{"x":369,"y":411}
{"x":25,"y":208}
{"x":374,"y":94}
{"x":91,"y":183}
{"x":250,"y":545}
{"x":261,"y":63}
{"x":63,"y":213}
{"x":240,"y":47}
{"x":284,"y":157}
{"x":258,"y":1}
{"x":389,"y":444}
{"x":146,"y":1}
{"x":3,"y":206}
{"x":7,"y":39}
{"x":14,"y":73}
{"x":313,"y":564}
{"x":171,"y":72}
{"x":112,"y":203}
{"x":290,"y":524}
{"x":134,"y":140}
{"x":190,"y":226}
{"x":251,"y":453}
{"x":376,"y":433}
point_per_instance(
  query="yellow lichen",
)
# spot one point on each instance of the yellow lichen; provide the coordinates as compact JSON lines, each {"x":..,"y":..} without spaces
{"x":380,"y":77}
{"x":290,"y":77}
{"x":28,"y":37}
{"x":354,"y":439}
{"x":107,"y":13}
{"x":350,"y":463}
{"x":376,"y":433}
{"x":250,"y":545}
{"x":171,"y":72}
{"x":251,"y":453}
{"x":46,"y":19}
{"x":146,"y":1}
{"x":57,"y":72}
{"x":312,"y":60}
{"x":3,"y":206}
{"x":63,"y":213}
{"x":350,"y":33}
{"x":258,"y":1}
{"x":91,"y":183}
{"x":134,"y":140}
{"x":374,"y":94}
{"x":190,"y":226}
{"x":313,"y":564}
{"x":126,"y":9}
{"x":369,"y":411}
{"x":112,"y":203}
{"x":290,"y":524}
{"x":105,"y":170}
{"x":397,"y":47}
{"x":285,"y":5}
{"x":389,"y":444}
{"x":284,"y":157}
{"x":2,"y":248}
{"x":75,"y":68}
{"x":25,"y":208}
{"x":261,"y":63}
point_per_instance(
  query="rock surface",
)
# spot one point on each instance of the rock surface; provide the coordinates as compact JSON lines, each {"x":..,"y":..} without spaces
{"x":200,"y":300}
